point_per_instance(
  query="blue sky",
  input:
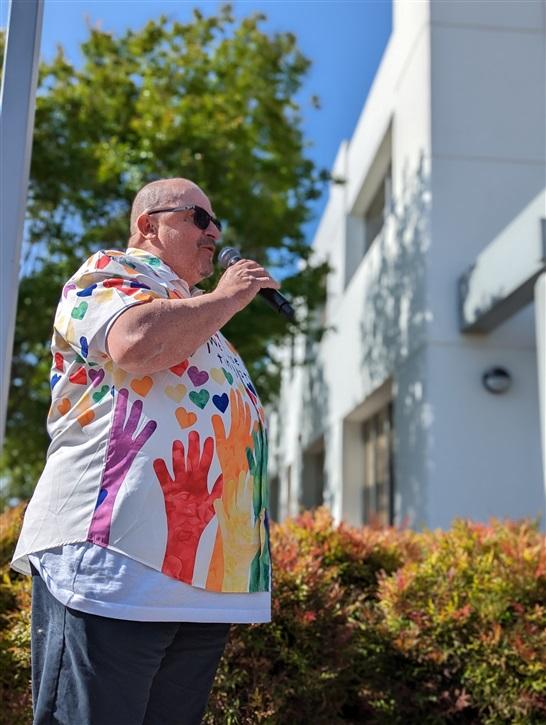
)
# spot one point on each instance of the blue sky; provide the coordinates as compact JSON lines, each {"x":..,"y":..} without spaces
{"x":344,"y":39}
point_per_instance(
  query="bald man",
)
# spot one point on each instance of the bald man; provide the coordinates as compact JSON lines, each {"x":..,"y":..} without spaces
{"x":147,"y":534}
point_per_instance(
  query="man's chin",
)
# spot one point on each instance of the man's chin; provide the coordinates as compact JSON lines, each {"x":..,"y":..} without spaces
{"x":205,"y":272}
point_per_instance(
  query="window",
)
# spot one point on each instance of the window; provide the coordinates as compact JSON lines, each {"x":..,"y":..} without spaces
{"x":378,"y":209}
{"x":288,"y":505}
{"x":378,"y":468}
{"x":274,"y":496}
{"x":312,"y":488}
{"x":372,"y":206}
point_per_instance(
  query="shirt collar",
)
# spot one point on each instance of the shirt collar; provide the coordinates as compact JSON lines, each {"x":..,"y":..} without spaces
{"x":163,"y":270}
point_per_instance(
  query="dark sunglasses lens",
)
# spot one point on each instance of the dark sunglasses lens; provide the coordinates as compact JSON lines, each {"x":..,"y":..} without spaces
{"x":202,"y":219}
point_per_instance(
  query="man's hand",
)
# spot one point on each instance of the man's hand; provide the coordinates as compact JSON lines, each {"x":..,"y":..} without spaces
{"x":242,"y":281}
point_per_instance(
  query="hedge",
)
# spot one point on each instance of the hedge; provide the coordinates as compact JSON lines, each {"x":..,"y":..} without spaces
{"x":370,"y":626}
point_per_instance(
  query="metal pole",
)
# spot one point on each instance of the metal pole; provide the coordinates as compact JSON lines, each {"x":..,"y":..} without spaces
{"x":17,"y":104}
{"x":540,"y":321}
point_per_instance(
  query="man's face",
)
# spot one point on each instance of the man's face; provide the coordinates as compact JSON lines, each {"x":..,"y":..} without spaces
{"x":188,"y":250}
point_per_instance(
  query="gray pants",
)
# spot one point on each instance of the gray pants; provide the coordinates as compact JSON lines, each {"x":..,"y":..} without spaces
{"x":91,"y":670}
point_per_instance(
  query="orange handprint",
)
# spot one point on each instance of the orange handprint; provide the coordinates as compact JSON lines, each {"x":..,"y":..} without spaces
{"x":231,"y":448}
{"x":188,"y":503}
{"x":240,"y":535}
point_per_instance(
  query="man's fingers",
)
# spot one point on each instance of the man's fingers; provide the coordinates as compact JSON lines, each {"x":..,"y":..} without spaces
{"x":244,"y":263}
{"x":262,"y":276}
{"x":243,"y":281}
{"x":255,"y":270}
{"x":269,"y":282}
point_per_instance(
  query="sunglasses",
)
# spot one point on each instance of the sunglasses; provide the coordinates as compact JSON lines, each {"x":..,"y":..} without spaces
{"x":201,"y":217}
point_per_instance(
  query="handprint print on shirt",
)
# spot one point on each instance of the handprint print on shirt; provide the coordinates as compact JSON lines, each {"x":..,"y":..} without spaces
{"x":188,"y":503}
{"x":260,"y":566}
{"x":257,"y":463}
{"x":240,"y":538}
{"x":231,"y":448}
{"x":122,"y":451}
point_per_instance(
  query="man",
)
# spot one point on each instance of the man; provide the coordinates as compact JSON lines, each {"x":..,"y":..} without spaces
{"x":147,"y":533}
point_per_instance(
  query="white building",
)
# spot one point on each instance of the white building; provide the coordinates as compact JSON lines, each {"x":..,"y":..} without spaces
{"x":389,"y":418}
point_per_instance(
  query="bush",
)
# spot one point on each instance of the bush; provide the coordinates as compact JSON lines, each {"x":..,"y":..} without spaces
{"x":370,"y":626}
{"x":15,"y":694}
{"x":475,"y":606}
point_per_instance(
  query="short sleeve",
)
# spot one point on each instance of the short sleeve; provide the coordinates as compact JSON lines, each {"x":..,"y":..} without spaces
{"x":103,"y":288}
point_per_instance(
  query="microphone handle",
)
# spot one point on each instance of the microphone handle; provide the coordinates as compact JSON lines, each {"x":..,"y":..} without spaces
{"x":278,"y":302}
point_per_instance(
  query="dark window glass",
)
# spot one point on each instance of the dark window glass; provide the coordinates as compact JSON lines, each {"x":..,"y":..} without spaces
{"x":377,"y":210}
{"x":378,"y":488}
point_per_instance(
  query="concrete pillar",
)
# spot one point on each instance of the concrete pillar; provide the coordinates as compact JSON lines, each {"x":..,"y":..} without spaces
{"x":353,"y":472}
{"x":19,"y":80}
{"x":540,"y":321}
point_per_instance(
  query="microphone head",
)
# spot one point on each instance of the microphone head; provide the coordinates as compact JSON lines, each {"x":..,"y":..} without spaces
{"x":228,"y":256}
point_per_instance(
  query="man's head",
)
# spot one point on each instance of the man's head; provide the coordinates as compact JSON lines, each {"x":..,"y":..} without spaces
{"x":175,"y":236}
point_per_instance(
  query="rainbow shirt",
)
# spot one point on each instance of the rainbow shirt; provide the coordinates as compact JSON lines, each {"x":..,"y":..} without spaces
{"x":169,"y":469}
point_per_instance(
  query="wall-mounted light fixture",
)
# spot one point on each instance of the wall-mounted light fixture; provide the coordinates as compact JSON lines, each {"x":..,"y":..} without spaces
{"x":496,"y":380}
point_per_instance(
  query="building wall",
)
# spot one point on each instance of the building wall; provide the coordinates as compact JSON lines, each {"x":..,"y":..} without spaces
{"x":393,"y":313}
{"x":488,"y":147}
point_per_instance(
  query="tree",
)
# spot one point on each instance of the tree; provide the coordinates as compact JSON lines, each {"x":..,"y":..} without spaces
{"x":212,"y":100}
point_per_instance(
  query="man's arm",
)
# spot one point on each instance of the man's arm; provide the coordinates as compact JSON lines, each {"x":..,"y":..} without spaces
{"x":156,"y":335}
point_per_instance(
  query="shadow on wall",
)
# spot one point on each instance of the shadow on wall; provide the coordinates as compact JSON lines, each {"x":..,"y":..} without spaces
{"x":316,"y":413}
{"x":393,"y":330}
{"x":315,"y":395}
{"x":305,"y":373}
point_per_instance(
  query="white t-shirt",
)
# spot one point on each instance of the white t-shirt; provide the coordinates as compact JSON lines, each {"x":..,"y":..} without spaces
{"x":97,"y":580}
{"x":168,"y":469}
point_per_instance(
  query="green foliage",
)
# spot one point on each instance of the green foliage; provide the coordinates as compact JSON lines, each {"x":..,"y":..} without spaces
{"x":476,"y":605}
{"x":372,"y":626}
{"x":369,"y":626}
{"x":211,"y":100}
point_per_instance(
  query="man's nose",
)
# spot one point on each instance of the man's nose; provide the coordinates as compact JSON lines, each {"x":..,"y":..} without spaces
{"x":213,"y":232}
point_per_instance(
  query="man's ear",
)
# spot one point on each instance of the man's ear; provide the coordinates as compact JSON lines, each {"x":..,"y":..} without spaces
{"x":145,"y":225}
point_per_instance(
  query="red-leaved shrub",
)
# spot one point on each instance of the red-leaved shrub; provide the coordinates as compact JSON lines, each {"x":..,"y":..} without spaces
{"x":369,"y":626}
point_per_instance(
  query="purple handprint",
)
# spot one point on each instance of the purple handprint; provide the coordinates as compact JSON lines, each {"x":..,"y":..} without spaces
{"x":122,"y":450}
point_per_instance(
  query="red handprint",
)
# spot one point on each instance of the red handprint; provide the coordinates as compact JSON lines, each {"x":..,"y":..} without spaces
{"x":188,"y":503}
{"x":122,"y":451}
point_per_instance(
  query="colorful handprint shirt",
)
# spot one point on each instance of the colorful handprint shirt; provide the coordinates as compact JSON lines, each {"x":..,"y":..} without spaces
{"x":169,"y":469}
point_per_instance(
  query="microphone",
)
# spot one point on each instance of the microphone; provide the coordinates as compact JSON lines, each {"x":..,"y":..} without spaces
{"x":230,"y":255}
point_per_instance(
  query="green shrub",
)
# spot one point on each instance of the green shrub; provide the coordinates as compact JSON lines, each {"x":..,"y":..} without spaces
{"x":15,"y":694}
{"x":389,"y":626}
{"x":370,"y":626}
{"x":475,"y":605}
